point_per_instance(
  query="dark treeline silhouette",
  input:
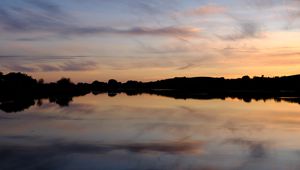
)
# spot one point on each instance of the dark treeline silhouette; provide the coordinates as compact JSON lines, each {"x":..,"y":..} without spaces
{"x":19,"y":91}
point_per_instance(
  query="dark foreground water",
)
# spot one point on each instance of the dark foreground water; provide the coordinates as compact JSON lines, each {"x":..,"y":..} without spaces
{"x":152,"y":133}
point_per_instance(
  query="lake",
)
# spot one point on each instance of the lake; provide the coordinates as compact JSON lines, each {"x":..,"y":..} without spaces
{"x":149,"y":132}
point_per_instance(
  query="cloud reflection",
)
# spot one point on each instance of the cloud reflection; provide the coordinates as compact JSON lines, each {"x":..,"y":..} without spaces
{"x":256,"y":149}
{"x":51,"y":153}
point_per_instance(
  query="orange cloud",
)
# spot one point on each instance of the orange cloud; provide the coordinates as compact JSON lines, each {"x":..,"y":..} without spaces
{"x":207,"y":10}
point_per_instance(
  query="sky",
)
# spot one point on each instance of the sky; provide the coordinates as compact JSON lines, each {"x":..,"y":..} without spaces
{"x":149,"y":39}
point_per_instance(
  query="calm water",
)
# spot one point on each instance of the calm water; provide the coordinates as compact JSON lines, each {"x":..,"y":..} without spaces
{"x":152,"y":133}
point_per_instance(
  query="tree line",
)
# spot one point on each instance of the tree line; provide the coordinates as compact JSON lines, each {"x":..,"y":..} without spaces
{"x":19,"y":90}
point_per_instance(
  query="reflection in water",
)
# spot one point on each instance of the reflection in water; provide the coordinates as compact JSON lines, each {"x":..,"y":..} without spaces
{"x":21,"y":104}
{"x":151,"y":132}
{"x":256,"y":149}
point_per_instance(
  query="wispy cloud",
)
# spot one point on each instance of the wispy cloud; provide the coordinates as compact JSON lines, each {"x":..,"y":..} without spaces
{"x":19,"y":68}
{"x":262,"y":4}
{"x":85,"y":63}
{"x":160,"y":31}
{"x":153,"y":7}
{"x":20,"y":19}
{"x":62,"y":66}
{"x":50,"y":18}
{"x":245,"y":29}
{"x":206,"y":10}
{"x":186,"y":67}
{"x":292,"y":12}
{"x":47,"y":6}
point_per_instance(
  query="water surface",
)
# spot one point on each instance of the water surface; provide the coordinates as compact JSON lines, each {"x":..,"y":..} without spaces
{"x":152,"y":132}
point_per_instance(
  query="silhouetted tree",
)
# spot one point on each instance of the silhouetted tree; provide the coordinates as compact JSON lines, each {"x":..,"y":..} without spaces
{"x":19,"y":91}
{"x":64,"y":82}
{"x":41,"y":81}
{"x":132,"y":84}
{"x":245,"y":78}
{"x":96,"y":85}
{"x":112,"y":83}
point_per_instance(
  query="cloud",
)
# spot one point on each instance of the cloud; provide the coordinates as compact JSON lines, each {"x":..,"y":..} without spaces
{"x":50,"y":18}
{"x":21,"y":19}
{"x":19,"y":137}
{"x":183,"y":31}
{"x":62,"y":66}
{"x":292,"y":12}
{"x":45,"y":58}
{"x":246,"y":29}
{"x":206,"y":10}
{"x":154,"y":7}
{"x":47,"y":68}
{"x":161,"y":31}
{"x":262,"y":4}
{"x":78,"y":66}
{"x":288,"y":11}
{"x":47,"y":6}
{"x":20,"y":68}
{"x":40,"y":24}
{"x":187,"y":66}
{"x":86,"y":63}
{"x":31,"y":39}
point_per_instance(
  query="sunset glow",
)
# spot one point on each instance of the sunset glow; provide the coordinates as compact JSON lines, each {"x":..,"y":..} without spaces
{"x":149,"y":40}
